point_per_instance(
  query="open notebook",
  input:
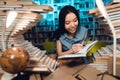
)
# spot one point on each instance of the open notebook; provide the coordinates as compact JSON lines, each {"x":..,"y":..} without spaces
{"x":81,"y":53}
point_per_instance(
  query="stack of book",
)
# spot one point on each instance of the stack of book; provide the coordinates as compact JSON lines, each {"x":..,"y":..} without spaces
{"x":114,"y":14}
{"x":39,"y":61}
{"x":101,"y":58}
{"x":116,"y":1}
{"x":108,"y":17}
{"x":28,"y":14}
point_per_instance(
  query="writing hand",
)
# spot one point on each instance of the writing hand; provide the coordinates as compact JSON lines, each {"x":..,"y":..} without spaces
{"x":77,"y":47}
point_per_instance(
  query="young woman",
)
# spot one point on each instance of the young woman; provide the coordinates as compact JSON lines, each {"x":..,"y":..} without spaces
{"x":70,"y":35}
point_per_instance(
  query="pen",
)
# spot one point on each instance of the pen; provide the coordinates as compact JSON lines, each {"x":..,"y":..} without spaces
{"x":85,"y":40}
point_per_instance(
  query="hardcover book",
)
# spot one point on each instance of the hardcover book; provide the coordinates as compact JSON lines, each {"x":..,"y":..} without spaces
{"x":81,"y":53}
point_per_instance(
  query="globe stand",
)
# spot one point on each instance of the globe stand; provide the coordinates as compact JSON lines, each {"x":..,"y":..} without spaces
{"x":21,"y":76}
{"x":17,"y":76}
{"x":8,"y":76}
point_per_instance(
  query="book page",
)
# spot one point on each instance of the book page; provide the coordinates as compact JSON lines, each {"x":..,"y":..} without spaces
{"x":88,"y":47}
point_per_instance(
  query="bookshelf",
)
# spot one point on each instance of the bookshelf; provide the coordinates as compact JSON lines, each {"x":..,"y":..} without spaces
{"x":38,"y":36}
{"x":101,"y":33}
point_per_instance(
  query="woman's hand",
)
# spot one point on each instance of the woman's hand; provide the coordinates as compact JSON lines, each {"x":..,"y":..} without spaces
{"x":77,"y":47}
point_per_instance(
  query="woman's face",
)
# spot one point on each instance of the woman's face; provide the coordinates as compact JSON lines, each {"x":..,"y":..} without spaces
{"x":71,"y":23}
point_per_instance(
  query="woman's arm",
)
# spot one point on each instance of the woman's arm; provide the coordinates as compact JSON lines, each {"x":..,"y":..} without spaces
{"x":59,"y":49}
{"x":77,"y":47}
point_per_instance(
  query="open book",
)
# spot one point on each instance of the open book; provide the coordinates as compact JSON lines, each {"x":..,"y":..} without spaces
{"x":81,"y":53}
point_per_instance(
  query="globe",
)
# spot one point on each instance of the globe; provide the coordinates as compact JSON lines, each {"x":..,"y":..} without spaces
{"x":14,"y":60}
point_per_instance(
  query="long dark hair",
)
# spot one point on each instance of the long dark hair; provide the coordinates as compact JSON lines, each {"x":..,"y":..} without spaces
{"x":64,"y":11}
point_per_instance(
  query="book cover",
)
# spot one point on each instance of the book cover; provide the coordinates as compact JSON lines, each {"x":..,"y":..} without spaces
{"x":81,"y":53}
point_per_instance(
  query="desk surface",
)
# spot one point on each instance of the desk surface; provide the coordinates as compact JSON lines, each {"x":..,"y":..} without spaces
{"x":68,"y":68}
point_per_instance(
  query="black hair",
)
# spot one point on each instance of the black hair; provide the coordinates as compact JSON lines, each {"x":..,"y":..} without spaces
{"x":63,"y":12}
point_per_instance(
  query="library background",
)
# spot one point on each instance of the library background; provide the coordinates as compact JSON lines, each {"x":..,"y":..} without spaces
{"x":44,"y":30}
{"x":37,"y":38}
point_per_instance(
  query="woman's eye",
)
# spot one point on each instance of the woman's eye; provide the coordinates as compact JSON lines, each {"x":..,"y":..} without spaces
{"x":67,"y":23}
{"x":75,"y":20}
